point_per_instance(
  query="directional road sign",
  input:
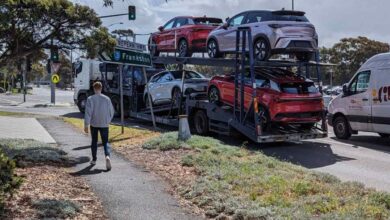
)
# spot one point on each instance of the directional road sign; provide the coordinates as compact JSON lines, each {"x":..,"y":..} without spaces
{"x":55,"y":78}
{"x":121,"y":56}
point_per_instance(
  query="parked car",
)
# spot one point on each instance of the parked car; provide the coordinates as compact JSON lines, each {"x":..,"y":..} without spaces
{"x":364,"y":104}
{"x":283,"y":96}
{"x":165,"y":87}
{"x":273,"y":32}
{"x":184,"y":35}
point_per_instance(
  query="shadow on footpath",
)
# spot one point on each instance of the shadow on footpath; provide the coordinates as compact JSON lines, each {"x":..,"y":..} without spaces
{"x":369,"y":142}
{"x":88,"y":171}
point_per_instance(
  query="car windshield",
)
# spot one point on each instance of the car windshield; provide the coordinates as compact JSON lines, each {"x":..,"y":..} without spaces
{"x":208,"y":21}
{"x":299,"y":88}
{"x":189,"y":75}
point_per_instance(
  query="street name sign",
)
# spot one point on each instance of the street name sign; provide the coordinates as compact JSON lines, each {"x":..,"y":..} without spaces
{"x":121,"y":56}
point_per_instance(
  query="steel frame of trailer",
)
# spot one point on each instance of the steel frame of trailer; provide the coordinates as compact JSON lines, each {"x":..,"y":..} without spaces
{"x":222,"y":119}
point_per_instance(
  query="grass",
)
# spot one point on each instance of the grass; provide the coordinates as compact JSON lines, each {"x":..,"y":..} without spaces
{"x":31,"y":152}
{"x":116,"y":138}
{"x":249,"y":185}
{"x":17,"y":114}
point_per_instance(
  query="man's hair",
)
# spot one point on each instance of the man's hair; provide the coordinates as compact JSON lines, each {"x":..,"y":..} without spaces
{"x":97,"y":85}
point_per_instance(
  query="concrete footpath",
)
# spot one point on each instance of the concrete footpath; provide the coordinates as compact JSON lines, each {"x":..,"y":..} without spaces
{"x":127,"y":191}
{"x":24,"y":128}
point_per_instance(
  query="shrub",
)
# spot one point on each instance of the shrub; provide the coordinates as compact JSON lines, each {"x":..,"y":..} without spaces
{"x":58,"y":209}
{"x":30,"y":151}
{"x":8,"y":180}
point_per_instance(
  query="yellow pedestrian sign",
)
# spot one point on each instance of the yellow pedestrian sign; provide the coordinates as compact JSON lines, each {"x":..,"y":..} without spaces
{"x":55,"y":78}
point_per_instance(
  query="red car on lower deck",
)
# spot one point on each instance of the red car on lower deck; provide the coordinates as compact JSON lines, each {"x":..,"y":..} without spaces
{"x":283,"y":96}
{"x":184,"y":35}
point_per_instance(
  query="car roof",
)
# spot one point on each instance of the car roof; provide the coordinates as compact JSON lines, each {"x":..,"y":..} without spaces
{"x":280,"y":75}
{"x":194,"y":17}
{"x":378,"y":61}
{"x":280,"y":12}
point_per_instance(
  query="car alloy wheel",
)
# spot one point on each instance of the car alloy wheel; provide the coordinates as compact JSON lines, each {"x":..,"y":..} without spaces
{"x":263,"y":116}
{"x":261,"y":50}
{"x":214,"y":95}
{"x":183,"y":48}
{"x":212,"y":49}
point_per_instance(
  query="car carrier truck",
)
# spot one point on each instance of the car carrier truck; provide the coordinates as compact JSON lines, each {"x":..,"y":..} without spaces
{"x":204,"y":117}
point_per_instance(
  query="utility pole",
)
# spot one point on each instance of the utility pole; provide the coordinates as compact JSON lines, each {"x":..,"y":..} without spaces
{"x":24,"y":70}
{"x":293,"y":6}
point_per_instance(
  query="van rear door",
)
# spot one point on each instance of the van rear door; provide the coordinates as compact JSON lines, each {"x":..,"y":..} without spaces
{"x":381,"y":102}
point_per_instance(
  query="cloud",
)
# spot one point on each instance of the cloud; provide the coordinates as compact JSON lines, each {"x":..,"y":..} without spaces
{"x":334,"y":19}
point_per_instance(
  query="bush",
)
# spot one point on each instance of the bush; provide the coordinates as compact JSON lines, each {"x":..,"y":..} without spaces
{"x":58,"y":209}
{"x":30,"y":151}
{"x":8,"y":180}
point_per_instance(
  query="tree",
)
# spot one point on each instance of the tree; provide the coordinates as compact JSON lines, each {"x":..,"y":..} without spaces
{"x":349,"y":54}
{"x":27,"y":26}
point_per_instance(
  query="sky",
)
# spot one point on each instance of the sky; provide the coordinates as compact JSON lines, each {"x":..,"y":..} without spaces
{"x":334,"y":19}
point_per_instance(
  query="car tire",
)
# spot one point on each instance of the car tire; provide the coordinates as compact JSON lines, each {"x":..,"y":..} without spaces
{"x":261,"y":50}
{"x":183,"y":49}
{"x":81,"y":102}
{"x":214,"y":95}
{"x":153,"y":49}
{"x":201,"y":123}
{"x":341,"y":128}
{"x":304,"y":57}
{"x":176,"y":96}
{"x":264,"y":115}
{"x":384,"y":135}
{"x":213,"y":49}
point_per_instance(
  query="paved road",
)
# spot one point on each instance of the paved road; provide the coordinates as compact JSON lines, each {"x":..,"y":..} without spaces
{"x":127,"y":191}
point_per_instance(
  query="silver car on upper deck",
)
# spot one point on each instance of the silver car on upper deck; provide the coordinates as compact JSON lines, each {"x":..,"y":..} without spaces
{"x":273,"y":32}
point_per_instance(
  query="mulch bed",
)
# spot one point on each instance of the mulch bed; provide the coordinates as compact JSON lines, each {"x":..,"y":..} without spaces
{"x":52,"y":183}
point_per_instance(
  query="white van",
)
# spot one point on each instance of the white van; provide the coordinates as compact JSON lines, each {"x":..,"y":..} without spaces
{"x":364,"y":104}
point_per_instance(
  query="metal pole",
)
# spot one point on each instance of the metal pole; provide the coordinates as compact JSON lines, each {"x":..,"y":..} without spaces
{"x":71,"y":63}
{"x":182,"y":88}
{"x":24,"y":70}
{"x":149,"y":98}
{"x":121,"y":96}
{"x":52,"y":85}
{"x":293,"y":5}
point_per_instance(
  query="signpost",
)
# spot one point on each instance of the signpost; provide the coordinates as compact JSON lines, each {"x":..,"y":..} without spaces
{"x":121,"y":56}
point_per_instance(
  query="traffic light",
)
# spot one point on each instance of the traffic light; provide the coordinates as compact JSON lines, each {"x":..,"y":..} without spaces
{"x":54,"y":56}
{"x":131,"y":12}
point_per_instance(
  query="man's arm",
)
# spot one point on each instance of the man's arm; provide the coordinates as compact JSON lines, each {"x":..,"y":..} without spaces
{"x":111,"y":110}
{"x":87,"y":115}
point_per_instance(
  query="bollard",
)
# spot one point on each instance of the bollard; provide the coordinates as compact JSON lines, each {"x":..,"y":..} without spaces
{"x":184,"y":128}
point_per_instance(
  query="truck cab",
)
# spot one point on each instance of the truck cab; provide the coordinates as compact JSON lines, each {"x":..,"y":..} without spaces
{"x":364,"y":104}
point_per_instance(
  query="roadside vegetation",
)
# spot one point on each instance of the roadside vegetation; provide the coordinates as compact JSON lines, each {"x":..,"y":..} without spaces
{"x":230,"y":182}
{"x":35,"y":183}
{"x":242,"y":184}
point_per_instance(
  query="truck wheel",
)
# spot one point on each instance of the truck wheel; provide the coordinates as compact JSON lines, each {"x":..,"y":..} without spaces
{"x":384,"y":135}
{"x":341,"y":128}
{"x":201,"y":123}
{"x":81,"y":102}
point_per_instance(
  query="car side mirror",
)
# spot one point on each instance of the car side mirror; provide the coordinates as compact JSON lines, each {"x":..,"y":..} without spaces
{"x":345,"y":89}
{"x":225,"y":26}
{"x":161,"y":28}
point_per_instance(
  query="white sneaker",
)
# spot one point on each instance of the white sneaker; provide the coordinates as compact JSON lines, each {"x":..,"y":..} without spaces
{"x":93,"y":163}
{"x":108,"y":163}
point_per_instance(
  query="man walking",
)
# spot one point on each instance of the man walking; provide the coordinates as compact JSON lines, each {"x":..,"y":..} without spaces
{"x":98,"y":115}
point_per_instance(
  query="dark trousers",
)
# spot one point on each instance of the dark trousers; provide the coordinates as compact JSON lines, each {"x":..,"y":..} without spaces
{"x":104,"y":137}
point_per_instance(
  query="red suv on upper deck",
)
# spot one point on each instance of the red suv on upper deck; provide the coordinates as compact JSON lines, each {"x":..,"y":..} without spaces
{"x":283,"y":97}
{"x":184,"y":35}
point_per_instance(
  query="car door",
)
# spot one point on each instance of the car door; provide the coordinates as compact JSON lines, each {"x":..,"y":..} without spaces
{"x":227,"y":37}
{"x":176,"y":33}
{"x":165,"y":34}
{"x":154,"y":86}
{"x":164,"y":87}
{"x":381,"y":101}
{"x":358,"y":102}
